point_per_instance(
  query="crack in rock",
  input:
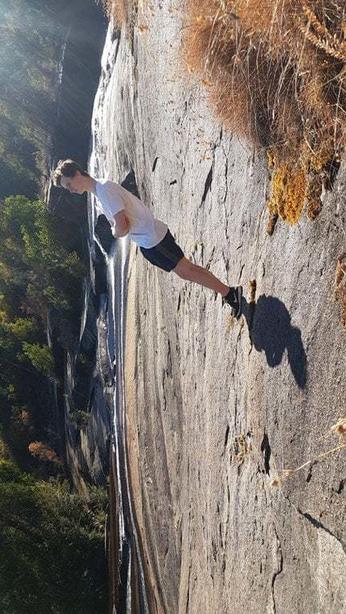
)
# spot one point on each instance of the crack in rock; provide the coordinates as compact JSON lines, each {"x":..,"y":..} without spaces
{"x":266,"y":451}
{"x":318,"y":525}
{"x":207,"y":185}
{"x":279,"y":569}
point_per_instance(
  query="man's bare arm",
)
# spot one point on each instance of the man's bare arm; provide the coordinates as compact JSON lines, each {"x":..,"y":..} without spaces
{"x":121,"y":225}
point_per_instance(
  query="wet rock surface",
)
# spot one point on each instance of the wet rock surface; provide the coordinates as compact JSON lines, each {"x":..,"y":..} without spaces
{"x":214,"y":408}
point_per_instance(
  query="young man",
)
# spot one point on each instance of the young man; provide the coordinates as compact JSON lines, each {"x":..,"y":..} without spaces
{"x":128,"y":216}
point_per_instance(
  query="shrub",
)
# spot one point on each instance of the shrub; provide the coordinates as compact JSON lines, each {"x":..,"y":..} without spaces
{"x":275,"y":72}
{"x":44,"y":452}
{"x":52,"y":547}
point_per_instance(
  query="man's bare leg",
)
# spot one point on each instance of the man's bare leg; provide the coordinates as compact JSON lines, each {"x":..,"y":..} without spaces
{"x":192,"y":272}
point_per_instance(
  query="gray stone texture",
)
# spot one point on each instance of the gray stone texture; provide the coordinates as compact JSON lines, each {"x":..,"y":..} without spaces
{"x":218,"y":408}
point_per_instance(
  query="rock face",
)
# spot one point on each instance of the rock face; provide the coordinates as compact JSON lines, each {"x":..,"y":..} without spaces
{"x":216,"y":409}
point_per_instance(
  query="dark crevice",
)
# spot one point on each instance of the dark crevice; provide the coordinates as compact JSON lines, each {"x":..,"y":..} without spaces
{"x":340,"y":487}
{"x":188,"y":589}
{"x":207,"y":185}
{"x":226,"y":436}
{"x":278,"y":571}
{"x":318,"y":525}
{"x":309,"y":476}
{"x":154,"y":165}
{"x":266,"y":451}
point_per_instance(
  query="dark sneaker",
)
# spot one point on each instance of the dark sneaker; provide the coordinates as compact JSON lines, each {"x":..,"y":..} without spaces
{"x":233,"y":298}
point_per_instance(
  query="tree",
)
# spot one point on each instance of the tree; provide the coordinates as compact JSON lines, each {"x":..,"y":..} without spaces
{"x":37,"y":273}
{"x":52,"y":554}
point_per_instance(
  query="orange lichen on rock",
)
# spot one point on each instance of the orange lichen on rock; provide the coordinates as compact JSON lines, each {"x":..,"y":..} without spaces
{"x":298,"y":180}
{"x":289,"y":189}
{"x":340,"y":285}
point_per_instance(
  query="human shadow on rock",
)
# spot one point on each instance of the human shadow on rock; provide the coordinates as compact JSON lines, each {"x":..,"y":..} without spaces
{"x":271,"y":331}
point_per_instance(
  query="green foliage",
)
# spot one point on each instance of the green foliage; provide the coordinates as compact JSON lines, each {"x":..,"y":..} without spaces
{"x":28,"y":69}
{"x":40,"y":356}
{"x":9,"y":472}
{"x":52,"y":554}
{"x":38,"y":272}
{"x":35,"y":263}
{"x":80,"y":418}
{"x":51,"y":541}
{"x":22,"y":328}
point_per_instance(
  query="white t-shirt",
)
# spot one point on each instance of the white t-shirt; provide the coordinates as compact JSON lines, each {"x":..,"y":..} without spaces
{"x":145,"y":229}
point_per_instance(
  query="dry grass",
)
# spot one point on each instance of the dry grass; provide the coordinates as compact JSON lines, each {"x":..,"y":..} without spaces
{"x":340,"y":285}
{"x":275,"y":73}
{"x":338,"y":429}
{"x":241,"y":447}
{"x":44,"y":452}
{"x":120,"y":11}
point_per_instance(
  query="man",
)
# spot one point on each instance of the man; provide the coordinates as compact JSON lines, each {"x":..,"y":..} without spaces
{"x":128,"y":216}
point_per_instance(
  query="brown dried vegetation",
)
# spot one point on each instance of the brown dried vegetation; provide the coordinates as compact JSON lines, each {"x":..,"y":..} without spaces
{"x":275,"y":72}
{"x":240,"y":448}
{"x":340,"y":285}
{"x":339,"y":430}
{"x":44,"y":452}
{"x":120,"y":11}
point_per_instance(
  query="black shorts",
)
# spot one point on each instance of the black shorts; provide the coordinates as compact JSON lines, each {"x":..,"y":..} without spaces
{"x":165,"y":254}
